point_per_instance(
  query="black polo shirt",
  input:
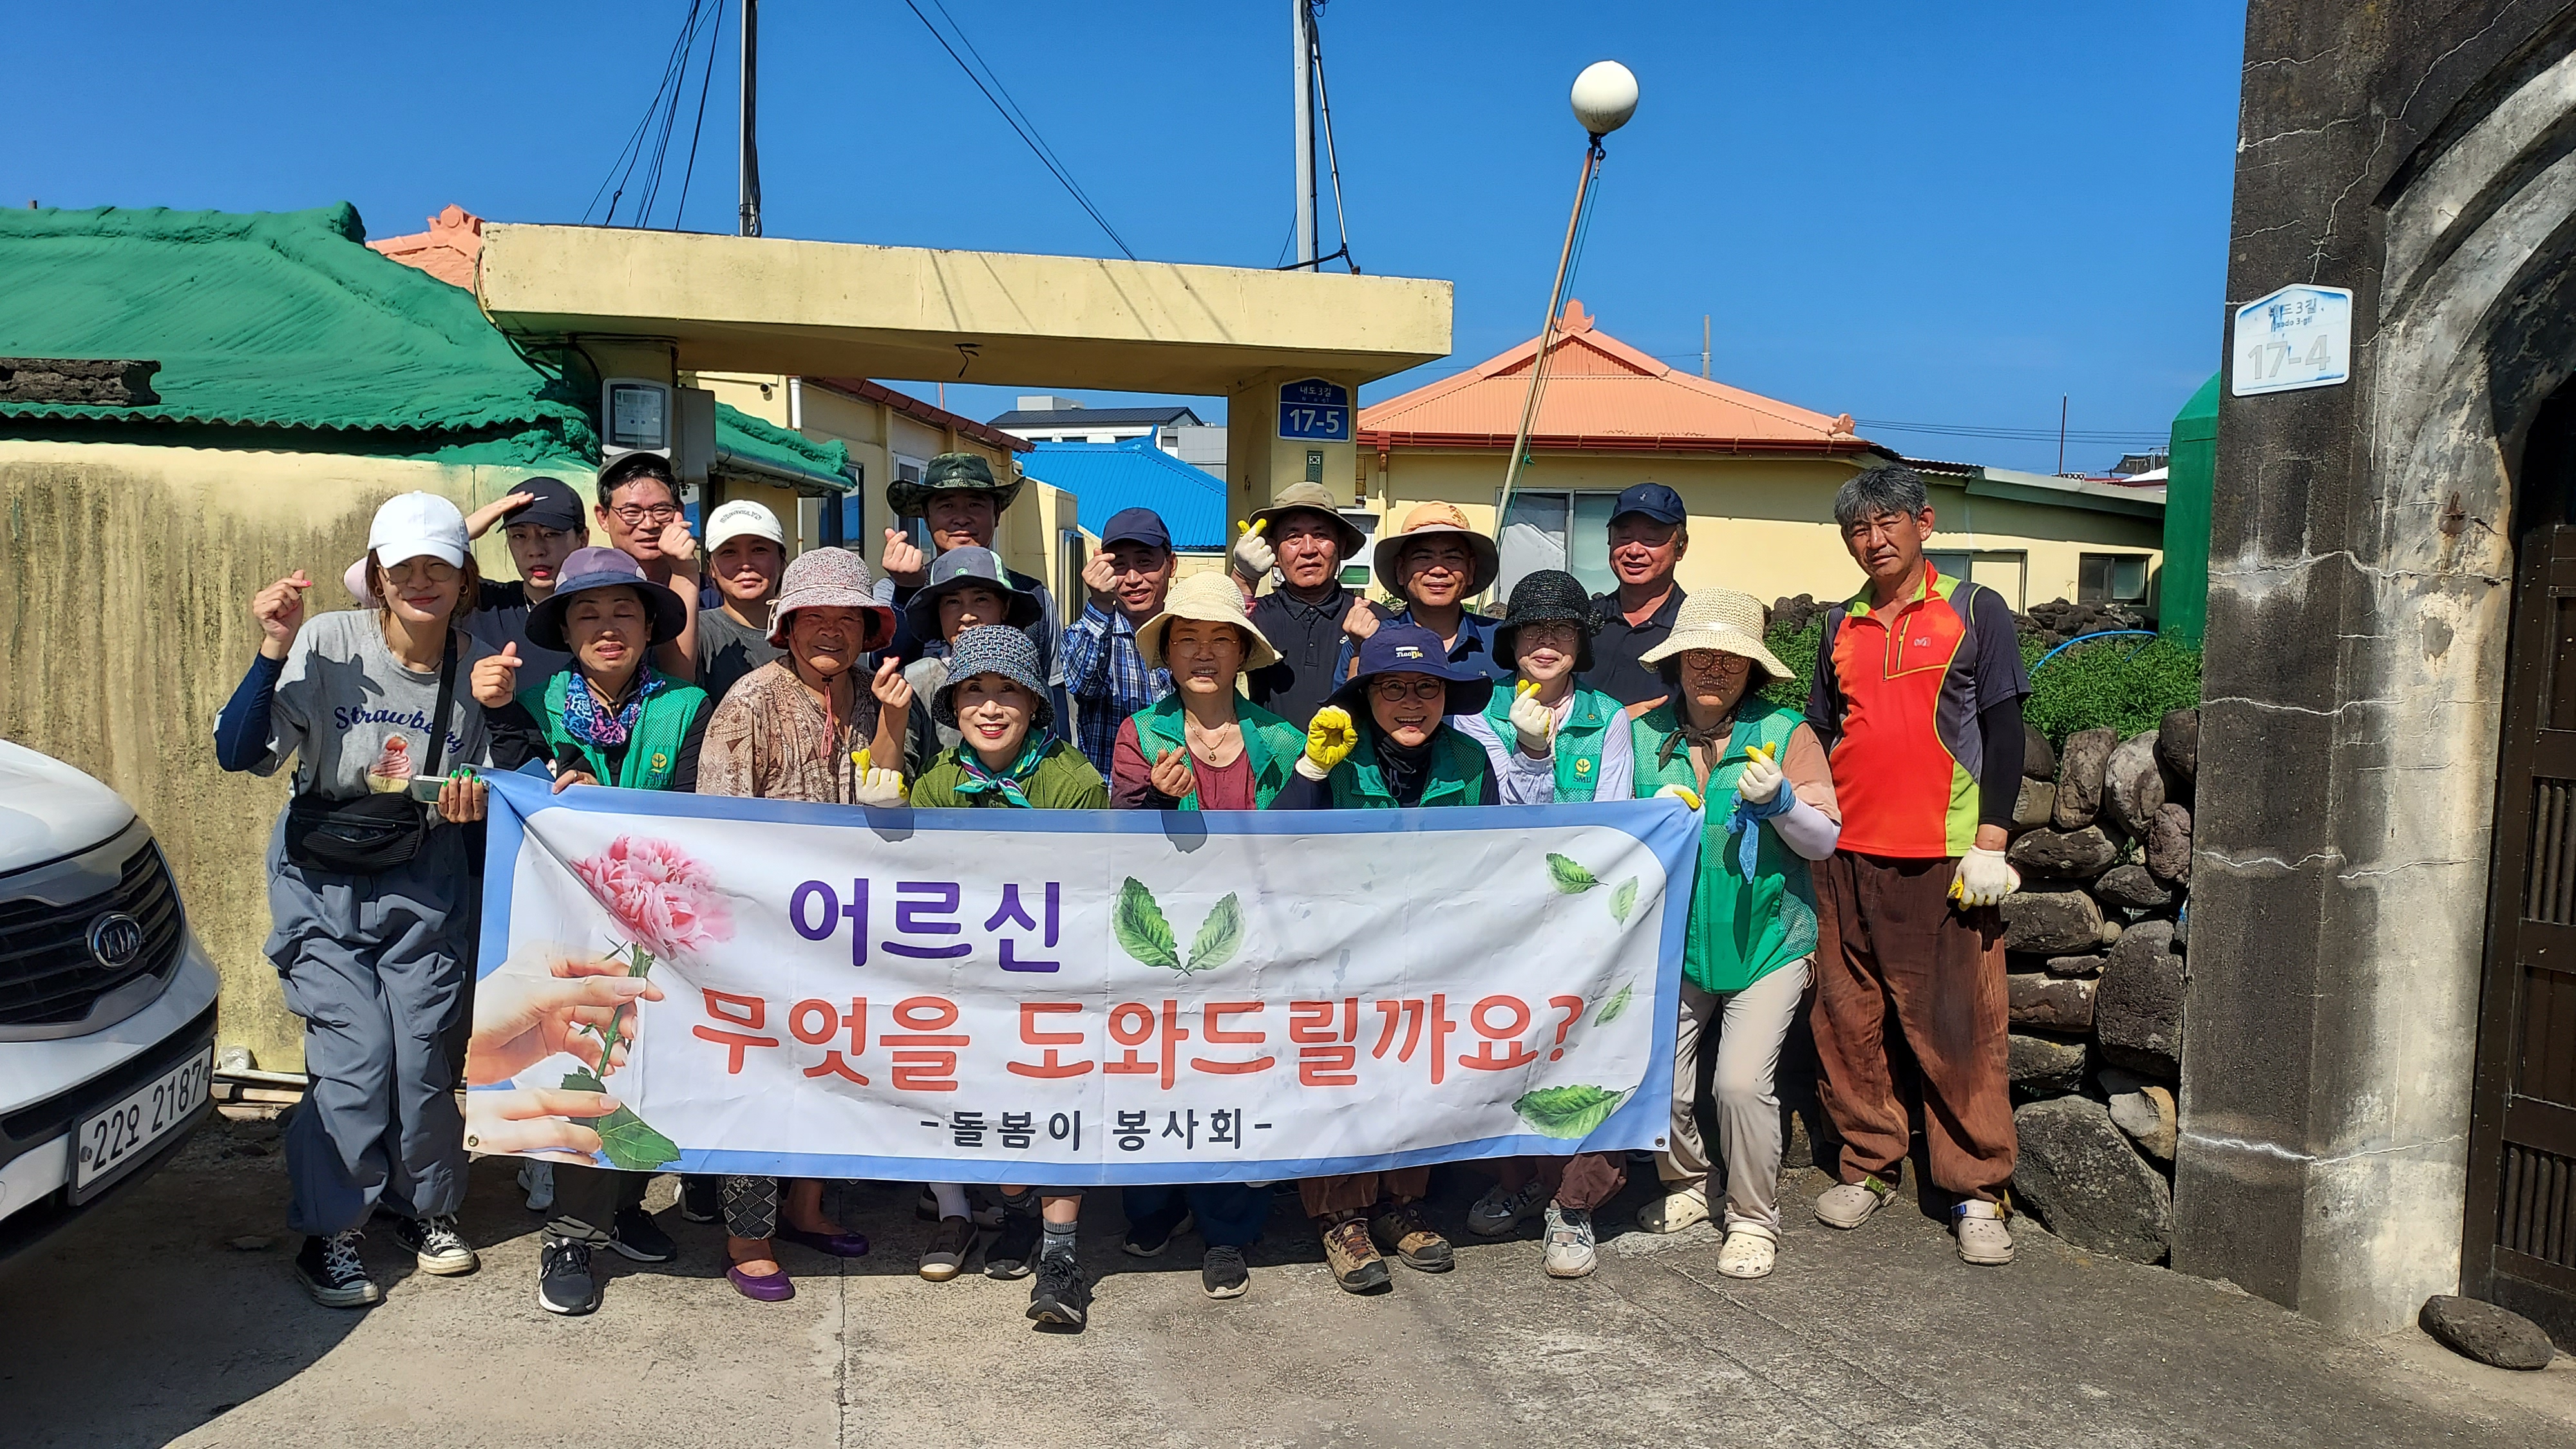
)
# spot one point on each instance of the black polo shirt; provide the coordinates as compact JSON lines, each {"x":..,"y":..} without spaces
{"x":1308,"y":638}
{"x":1615,"y":670}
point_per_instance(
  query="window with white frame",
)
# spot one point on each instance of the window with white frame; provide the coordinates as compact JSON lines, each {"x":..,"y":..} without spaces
{"x":1558,"y":530}
{"x":2006,"y":571}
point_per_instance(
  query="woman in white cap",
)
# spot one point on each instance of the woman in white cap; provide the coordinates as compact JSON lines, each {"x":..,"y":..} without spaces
{"x":369,"y":890}
{"x":1751,"y":938}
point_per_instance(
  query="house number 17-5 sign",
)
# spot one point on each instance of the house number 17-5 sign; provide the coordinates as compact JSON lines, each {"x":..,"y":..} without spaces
{"x":2297,"y":337}
{"x":1314,"y":411}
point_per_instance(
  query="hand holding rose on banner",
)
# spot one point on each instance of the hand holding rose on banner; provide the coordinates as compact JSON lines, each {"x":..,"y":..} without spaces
{"x":577,"y":1008}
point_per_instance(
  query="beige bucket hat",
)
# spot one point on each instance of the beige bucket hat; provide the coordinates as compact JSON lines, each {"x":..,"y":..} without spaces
{"x":1425,"y":520}
{"x":1210,"y":598}
{"x":1314,"y":498}
{"x":1719,"y":619}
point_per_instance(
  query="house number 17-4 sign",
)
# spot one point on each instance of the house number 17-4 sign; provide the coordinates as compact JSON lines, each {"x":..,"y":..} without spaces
{"x":2297,"y":337}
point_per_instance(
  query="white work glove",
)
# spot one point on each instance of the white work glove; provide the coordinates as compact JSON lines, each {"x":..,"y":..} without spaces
{"x":1984,"y":879}
{"x":1254,"y":558}
{"x":1534,"y":722}
{"x":1683,"y":793}
{"x":880,"y":789}
{"x":1760,"y":781}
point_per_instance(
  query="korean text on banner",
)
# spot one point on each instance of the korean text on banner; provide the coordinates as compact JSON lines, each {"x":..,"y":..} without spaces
{"x":1082,"y":998}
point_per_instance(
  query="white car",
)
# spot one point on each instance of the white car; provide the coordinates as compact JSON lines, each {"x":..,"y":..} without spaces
{"x":107,"y":1002}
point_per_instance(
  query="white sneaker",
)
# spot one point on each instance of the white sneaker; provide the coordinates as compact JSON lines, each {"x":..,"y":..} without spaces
{"x":1569,"y":1243}
{"x":537,"y":1180}
{"x":1748,"y":1252}
{"x":1681,"y":1208}
{"x":1502,"y":1208}
{"x":1849,"y":1204}
{"x":1983,"y":1237}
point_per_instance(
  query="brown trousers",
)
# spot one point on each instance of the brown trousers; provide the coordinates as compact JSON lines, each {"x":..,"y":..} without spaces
{"x":1890,"y":947}
{"x":1359,"y":1191}
{"x":1585,"y":1180}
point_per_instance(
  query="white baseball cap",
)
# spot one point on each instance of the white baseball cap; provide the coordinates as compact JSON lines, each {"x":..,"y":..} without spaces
{"x":411,"y":525}
{"x":740,"y":517}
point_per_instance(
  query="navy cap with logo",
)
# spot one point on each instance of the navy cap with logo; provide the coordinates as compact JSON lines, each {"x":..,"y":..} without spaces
{"x":1136,"y":525}
{"x":554,"y":505}
{"x":1654,"y":500}
{"x":1412,"y":649}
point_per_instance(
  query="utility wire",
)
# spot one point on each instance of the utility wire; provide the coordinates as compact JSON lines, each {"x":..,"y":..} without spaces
{"x":1027,"y":132}
{"x":1332,"y":158}
{"x":706,"y":77}
{"x":671,"y":111}
{"x":630,"y":155}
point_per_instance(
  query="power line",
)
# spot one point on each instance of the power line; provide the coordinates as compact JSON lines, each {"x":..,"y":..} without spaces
{"x":1971,"y":430}
{"x":706,"y":78}
{"x":1027,"y":133}
{"x":671,"y":111}
{"x":631,"y":154}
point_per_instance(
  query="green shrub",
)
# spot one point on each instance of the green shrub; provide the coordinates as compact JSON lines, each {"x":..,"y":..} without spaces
{"x":1797,"y":649}
{"x":2125,"y":684}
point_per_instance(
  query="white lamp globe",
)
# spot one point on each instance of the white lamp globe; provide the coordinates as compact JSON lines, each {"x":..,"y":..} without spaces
{"x":1605,"y":96}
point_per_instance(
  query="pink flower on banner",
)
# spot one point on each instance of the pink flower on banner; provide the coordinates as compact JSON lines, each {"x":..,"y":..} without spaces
{"x":665,"y":901}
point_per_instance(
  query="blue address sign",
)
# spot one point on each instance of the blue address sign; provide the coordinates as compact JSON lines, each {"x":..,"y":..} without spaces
{"x":1312,"y":410}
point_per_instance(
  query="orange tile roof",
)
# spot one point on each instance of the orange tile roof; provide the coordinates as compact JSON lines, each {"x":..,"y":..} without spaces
{"x":1600,"y":395}
{"x":447,"y":251}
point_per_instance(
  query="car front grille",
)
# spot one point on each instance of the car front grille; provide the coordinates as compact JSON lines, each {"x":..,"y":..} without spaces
{"x":47,"y":974}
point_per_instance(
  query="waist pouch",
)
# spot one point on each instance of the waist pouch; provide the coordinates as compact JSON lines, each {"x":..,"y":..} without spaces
{"x":354,"y":837}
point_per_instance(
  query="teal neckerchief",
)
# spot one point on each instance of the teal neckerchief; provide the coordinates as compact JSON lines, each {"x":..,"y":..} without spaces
{"x":980,"y":780}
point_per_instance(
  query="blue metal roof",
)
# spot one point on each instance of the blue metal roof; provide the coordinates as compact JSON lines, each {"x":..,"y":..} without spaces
{"x":1106,"y":477}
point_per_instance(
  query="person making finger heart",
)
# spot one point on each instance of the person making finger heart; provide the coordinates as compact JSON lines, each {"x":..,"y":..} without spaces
{"x":1108,"y":678}
{"x":960,"y":504}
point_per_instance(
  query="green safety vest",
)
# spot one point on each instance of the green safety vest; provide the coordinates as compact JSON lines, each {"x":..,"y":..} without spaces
{"x":1578,"y":740}
{"x":1457,"y":775}
{"x":1272,"y":744}
{"x":652,"y":749}
{"x":1739,"y":931}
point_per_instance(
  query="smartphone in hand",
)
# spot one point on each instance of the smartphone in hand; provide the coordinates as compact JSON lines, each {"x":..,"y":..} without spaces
{"x":425,"y":788}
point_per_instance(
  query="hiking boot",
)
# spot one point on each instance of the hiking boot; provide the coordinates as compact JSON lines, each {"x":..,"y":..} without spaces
{"x":1061,"y":1295}
{"x":1352,"y":1257}
{"x":1569,"y":1243}
{"x":951,"y":1243}
{"x":435,"y":1242}
{"x":329,"y":1269}
{"x":1748,"y":1252}
{"x":1683,"y":1207}
{"x":1147,"y":1237}
{"x":564,"y":1284}
{"x":701,"y":1198}
{"x":637,"y":1237}
{"x":537,"y":1180}
{"x":1015,"y":1252}
{"x":1849,"y":1204}
{"x":1983,"y":1238}
{"x":1399,"y":1229}
{"x":1502,"y":1208}
{"x":1224,"y":1275}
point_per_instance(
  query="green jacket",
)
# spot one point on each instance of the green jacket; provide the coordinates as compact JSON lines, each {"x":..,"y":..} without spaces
{"x":1272,"y":744}
{"x":1578,"y":741}
{"x":1740,"y":931}
{"x":652,"y":751}
{"x":1063,"y":780}
{"x":1457,"y":775}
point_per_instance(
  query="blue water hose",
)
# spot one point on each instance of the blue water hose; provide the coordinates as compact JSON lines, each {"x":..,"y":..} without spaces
{"x":2088,"y":638}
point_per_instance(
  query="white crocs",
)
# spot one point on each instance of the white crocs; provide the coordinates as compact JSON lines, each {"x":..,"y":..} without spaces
{"x":1849,"y":1204}
{"x":1983,"y":1237}
{"x":1749,"y":1251}
{"x":1681,"y":1208}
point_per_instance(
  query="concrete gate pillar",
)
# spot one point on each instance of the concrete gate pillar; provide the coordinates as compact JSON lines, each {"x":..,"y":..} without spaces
{"x":1259,"y":462}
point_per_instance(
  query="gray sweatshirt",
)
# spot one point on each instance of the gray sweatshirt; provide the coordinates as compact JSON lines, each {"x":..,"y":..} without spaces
{"x":355,"y":719}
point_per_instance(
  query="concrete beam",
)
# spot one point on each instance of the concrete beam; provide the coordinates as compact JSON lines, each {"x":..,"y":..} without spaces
{"x":841,"y":310}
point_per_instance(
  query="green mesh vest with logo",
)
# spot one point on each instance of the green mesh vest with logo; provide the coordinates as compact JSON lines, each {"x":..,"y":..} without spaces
{"x":1578,"y":740}
{"x":1740,"y":930}
{"x":1457,"y":775}
{"x":652,"y":749}
{"x":1272,"y":743}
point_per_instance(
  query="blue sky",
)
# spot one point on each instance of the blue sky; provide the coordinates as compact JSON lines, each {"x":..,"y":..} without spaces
{"x":1923,"y":214}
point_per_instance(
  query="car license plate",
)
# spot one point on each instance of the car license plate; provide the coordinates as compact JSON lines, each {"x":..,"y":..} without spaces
{"x":125,"y":1133}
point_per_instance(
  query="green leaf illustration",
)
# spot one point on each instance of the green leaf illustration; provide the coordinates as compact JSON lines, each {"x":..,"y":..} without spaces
{"x":1141,"y":930}
{"x":1570,"y":878}
{"x":1618,"y":1003}
{"x":1569,"y":1112}
{"x":631,"y":1144}
{"x":1623,"y":900}
{"x":1219,"y":937}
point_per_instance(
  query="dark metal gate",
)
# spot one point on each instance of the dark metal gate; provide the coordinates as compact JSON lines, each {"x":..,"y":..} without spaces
{"x":2519,"y":1249}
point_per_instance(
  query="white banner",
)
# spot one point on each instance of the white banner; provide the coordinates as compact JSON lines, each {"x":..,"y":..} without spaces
{"x":1073,"y":998}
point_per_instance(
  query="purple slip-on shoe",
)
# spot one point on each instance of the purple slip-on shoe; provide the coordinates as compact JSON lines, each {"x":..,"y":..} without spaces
{"x":761,"y":1287}
{"x":837,"y":1245}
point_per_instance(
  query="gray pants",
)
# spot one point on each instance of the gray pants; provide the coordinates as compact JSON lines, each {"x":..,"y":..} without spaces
{"x":1751,"y":1025}
{"x":376,"y":966}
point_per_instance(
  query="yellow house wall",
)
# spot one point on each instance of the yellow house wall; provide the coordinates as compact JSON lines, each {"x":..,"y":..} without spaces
{"x":1765,"y":525}
{"x":125,"y":586}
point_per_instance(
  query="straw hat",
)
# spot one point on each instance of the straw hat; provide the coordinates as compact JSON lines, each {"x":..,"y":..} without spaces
{"x":1719,"y":619}
{"x":1426,"y":520}
{"x":1210,"y":598}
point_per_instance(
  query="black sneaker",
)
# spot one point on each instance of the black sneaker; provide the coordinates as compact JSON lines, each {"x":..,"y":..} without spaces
{"x":564,"y":1284}
{"x":1061,"y":1296}
{"x":635,"y":1235}
{"x":1148,"y":1237}
{"x":1014,"y":1253}
{"x":1224,"y":1274}
{"x":437,"y":1245}
{"x":701,"y":1198}
{"x":329,"y":1269}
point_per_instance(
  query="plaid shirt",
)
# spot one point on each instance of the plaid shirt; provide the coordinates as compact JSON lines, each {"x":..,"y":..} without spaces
{"x":1107,"y":679}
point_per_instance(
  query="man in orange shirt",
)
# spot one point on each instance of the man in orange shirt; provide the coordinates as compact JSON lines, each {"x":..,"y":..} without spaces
{"x":1917,"y":696}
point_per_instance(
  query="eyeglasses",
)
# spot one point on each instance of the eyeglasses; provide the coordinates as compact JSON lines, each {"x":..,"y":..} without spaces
{"x":1396,"y":691}
{"x":635,"y":513}
{"x":1715,"y":661}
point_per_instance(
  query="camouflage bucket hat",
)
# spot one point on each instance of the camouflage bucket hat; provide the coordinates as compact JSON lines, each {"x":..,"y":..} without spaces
{"x":966,"y":472}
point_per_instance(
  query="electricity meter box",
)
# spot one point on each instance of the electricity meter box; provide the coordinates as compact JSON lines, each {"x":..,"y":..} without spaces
{"x":639,"y":415}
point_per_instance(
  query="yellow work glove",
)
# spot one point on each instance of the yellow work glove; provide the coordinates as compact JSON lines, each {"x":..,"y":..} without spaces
{"x":1683,"y":793}
{"x":1329,"y":741}
{"x":1534,"y":722}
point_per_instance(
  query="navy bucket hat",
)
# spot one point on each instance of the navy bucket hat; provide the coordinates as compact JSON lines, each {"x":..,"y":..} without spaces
{"x":1412,"y":649}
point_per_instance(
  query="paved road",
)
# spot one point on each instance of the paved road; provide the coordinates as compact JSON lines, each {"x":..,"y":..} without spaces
{"x":149,"y":1327}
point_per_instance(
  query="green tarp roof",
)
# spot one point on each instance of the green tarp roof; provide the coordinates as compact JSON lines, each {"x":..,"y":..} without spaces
{"x":271,"y":320}
{"x":766,"y":443}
